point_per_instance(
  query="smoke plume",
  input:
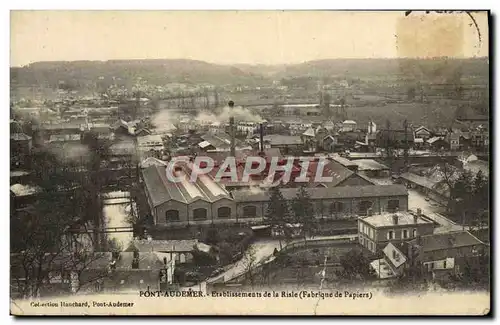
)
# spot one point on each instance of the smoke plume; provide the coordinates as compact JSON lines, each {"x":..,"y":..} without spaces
{"x":239,"y":113}
{"x":165,"y":120}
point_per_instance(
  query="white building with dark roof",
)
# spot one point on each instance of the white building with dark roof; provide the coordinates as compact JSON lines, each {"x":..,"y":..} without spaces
{"x":377,"y":230}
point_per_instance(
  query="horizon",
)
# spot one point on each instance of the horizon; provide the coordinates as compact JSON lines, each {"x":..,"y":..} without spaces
{"x":243,"y":37}
{"x":256,"y":64}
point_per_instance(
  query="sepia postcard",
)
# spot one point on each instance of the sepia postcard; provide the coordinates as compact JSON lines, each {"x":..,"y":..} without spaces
{"x":250,"y":163}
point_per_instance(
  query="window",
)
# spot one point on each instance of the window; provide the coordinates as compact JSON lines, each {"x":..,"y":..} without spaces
{"x":390,"y":234}
{"x":414,"y":233}
{"x":392,"y":205}
{"x":405,"y":233}
{"x":336,"y":207}
{"x":364,"y":206}
{"x":249,"y":211}
{"x":200,"y":214}
{"x":223,"y":212}
{"x":172,"y":216}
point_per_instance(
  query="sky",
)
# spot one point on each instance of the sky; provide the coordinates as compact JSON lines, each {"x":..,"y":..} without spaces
{"x":252,"y":37}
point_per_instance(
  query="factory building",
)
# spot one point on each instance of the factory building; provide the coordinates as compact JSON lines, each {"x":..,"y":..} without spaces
{"x":206,"y":202}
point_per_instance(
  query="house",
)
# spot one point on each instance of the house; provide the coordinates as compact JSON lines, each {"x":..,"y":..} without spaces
{"x":437,"y":143}
{"x":100,"y":272}
{"x":329,"y":143}
{"x":447,"y":250}
{"x":286,"y":143}
{"x":348,"y":126}
{"x":422,"y":133}
{"x":180,"y":250}
{"x":391,"y":265}
{"x":391,"y":226}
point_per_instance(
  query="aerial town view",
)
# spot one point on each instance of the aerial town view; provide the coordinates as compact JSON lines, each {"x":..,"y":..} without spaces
{"x":182,"y":175}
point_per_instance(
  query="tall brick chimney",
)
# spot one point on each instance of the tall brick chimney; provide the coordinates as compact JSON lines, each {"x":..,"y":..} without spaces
{"x":231,"y":130}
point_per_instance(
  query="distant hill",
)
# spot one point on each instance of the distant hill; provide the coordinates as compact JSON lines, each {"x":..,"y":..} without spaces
{"x":84,"y":74}
{"x":404,"y":68}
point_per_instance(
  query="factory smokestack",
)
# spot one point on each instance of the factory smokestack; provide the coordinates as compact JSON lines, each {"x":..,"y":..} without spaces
{"x":261,"y":133}
{"x":231,"y":130}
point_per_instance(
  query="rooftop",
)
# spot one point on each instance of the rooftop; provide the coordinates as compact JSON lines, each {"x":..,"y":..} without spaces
{"x":394,"y":255}
{"x":150,"y":140}
{"x":403,"y":218}
{"x":316,"y":193}
{"x":369,"y":164}
{"x":161,"y":189}
{"x":283,"y":140}
{"x":448,"y":240}
{"x":178,"y":246}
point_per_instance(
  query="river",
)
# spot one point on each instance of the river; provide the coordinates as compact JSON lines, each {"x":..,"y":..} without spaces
{"x":117,"y":208}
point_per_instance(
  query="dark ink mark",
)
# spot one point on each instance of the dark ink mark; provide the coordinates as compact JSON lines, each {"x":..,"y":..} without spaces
{"x":475,"y":24}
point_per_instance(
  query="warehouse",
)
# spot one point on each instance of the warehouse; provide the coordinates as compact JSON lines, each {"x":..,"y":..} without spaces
{"x":206,"y":202}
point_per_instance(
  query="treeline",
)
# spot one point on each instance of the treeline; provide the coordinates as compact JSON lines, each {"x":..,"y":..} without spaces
{"x":156,"y":72}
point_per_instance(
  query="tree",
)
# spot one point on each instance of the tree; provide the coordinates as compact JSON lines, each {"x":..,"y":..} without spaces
{"x":44,"y":249}
{"x":249,"y":264}
{"x":303,"y":212}
{"x":278,"y":214}
{"x":356,"y":263}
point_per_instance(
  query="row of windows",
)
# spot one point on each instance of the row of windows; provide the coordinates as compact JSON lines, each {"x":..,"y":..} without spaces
{"x":250,"y":211}
{"x":201,"y":213}
{"x":368,"y":244}
{"x":198,"y":214}
{"x":404,"y":234}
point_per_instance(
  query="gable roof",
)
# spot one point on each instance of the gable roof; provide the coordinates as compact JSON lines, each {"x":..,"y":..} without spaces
{"x":422,"y":128}
{"x":161,"y":190}
{"x":449,"y":240}
{"x":394,"y":255}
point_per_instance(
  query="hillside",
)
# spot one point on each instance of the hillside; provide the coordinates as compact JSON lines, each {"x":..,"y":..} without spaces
{"x":126,"y":72}
{"x":85,"y":74}
{"x":402,"y":68}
